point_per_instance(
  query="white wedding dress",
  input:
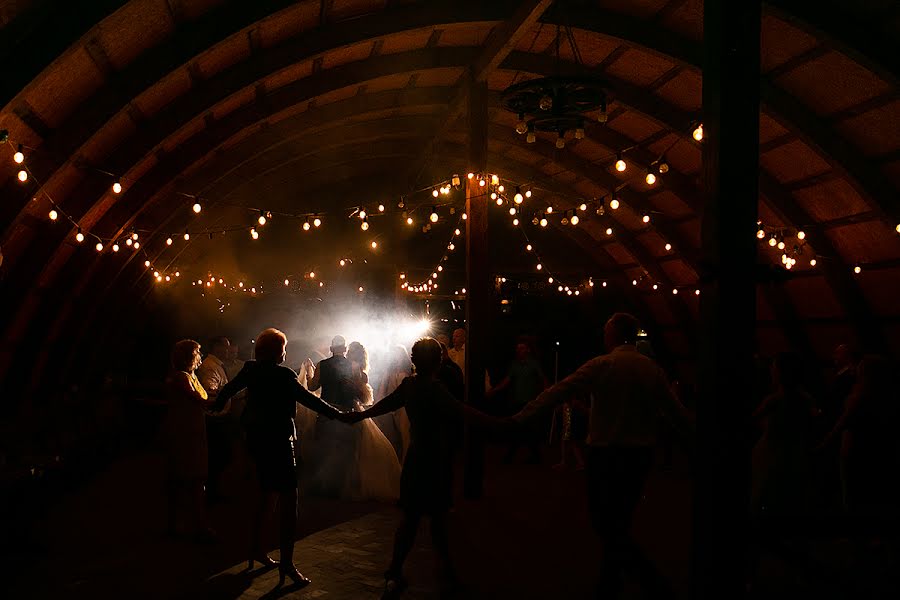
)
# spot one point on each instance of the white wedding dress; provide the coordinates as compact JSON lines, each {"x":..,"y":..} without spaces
{"x":377,"y":475}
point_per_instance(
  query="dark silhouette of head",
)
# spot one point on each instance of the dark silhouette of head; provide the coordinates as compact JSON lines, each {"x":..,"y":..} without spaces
{"x":270,"y":345}
{"x":426,"y":356}
{"x":218,"y":347}
{"x":338,"y":345}
{"x":622,"y":328}
{"x":523,"y":351}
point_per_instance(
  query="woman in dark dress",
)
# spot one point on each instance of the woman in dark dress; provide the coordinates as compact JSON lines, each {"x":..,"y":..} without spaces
{"x":436,"y":419}
{"x":268,"y":418}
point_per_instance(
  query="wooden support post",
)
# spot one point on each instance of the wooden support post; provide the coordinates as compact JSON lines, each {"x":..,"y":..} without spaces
{"x":728,"y":297}
{"x":478,"y":281}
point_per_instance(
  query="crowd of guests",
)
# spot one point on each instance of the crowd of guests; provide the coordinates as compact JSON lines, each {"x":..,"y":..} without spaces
{"x":606,"y":415}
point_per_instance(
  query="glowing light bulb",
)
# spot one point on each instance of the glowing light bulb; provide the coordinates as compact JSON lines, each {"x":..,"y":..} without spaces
{"x":761,"y":233}
{"x":549,"y":280}
{"x":897,"y":228}
{"x":364,"y":225}
{"x":498,"y":199}
{"x":342,"y":262}
{"x":312,"y":274}
{"x":574,"y":220}
{"x":698,"y":132}
{"x":321,"y":284}
{"x":177,"y":274}
{"x":254,"y":234}
{"x":781,"y":245}
{"x":655,"y":287}
{"x":156,"y":273}
{"x":528,"y":193}
{"x":512,"y":211}
{"x":99,"y":247}
{"x":317,"y":222}
{"x":482,"y":182}
{"x":53,"y":214}
{"x":187,"y":236}
{"x":240,"y":284}
{"x":381,"y":208}
{"x":435,"y":192}
{"x":620,"y":164}
{"x":645,"y":218}
{"x":495,"y":180}
{"x":117,"y":187}
{"x":306,"y":226}
{"x":168,"y":241}
{"x":159,"y":278}
{"x":451,"y":247}
{"x":609,"y":231}
{"x":529,"y":247}
{"x":470,"y":175}
{"x":19,"y":156}
{"x":857,"y":269}
{"x":801,"y":235}
{"x":696,"y":292}
{"x":146,"y":263}
{"x":668,"y":247}
{"x":23,"y":175}
{"x":409,"y":220}
{"x":650,"y":179}
{"x":197,"y":208}
{"x":812,"y":262}
{"x":614,"y":204}
{"x":434,"y":216}
{"x":261,"y":220}
{"x":773,"y":242}
{"x":539,"y":266}
{"x":675,"y":291}
{"x":500,"y":188}
{"x":359,"y":289}
{"x":582,"y":207}
{"x":137,"y":245}
{"x":456,"y":232}
{"x":549,"y":210}
{"x":374,"y":244}
{"x":287,"y":282}
{"x":543,"y":221}
{"x":115,"y":247}
{"x":559,"y":288}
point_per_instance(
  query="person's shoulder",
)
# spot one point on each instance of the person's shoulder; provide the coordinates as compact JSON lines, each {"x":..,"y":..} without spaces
{"x":285,"y":372}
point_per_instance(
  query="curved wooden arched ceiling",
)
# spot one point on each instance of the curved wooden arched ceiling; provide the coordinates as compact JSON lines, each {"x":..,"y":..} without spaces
{"x":174,"y":95}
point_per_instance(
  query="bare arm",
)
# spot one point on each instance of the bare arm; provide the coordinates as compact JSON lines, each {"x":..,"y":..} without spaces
{"x":231,"y":388}
{"x":314,"y":382}
{"x":579,"y":382}
{"x":302,"y":396}
{"x":393,"y":401}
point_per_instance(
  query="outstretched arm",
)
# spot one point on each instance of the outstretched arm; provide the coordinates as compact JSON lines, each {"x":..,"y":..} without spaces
{"x":232,"y":387}
{"x":579,"y":382}
{"x":315,"y":381}
{"x":302,"y":396}
{"x":393,"y":401}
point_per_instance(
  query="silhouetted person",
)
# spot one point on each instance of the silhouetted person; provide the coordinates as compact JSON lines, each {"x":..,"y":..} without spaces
{"x":457,"y":351}
{"x":272,"y":391}
{"x":525,"y":380}
{"x":184,"y":434}
{"x":451,"y":375}
{"x":334,"y":451}
{"x":436,"y":419}
{"x":870,"y":451}
{"x":782,"y":455}
{"x":627,"y":391}
{"x":219,"y":428}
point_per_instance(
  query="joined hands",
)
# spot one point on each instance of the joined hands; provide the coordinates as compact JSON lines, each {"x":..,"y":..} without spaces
{"x":350,"y":417}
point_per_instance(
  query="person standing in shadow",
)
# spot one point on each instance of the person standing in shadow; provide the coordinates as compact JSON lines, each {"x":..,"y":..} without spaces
{"x":272,"y":393}
{"x":436,"y":420}
{"x":627,"y":392}
{"x":334,"y":451}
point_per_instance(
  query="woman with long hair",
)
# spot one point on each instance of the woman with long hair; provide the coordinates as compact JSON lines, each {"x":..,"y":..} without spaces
{"x":272,"y":393}
{"x":185,"y":441}
{"x":377,"y":473}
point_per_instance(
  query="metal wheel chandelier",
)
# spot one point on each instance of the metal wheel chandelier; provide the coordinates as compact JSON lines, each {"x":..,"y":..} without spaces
{"x":557,"y":104}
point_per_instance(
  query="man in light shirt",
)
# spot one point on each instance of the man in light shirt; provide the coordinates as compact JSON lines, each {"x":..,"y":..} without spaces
{"x":628,"y":390}
{"x":458,"y":351}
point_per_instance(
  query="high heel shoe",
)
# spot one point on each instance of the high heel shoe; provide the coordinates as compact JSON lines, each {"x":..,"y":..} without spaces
{"x":291,"y":571}
{"x":265,"y":561}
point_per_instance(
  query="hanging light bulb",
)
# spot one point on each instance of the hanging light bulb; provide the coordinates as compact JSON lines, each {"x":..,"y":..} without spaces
{"x":19,"y":156}
{"x":697,"y":292}
{"x":698,"y":132}
{"x":501,"y":188}
{"x":549,"y":210}
{"x":435,"y":192}
{"x":620,"y":164}
{"x":306,"y":224}
{"x":646,"y":218}
{"x":539,"y":266}
{"x":137,"y":245}
{"x":360,"y":289}
{"x":499,"y":200}
{"x":512,"y":211}
{"x":812,"y":262}
{"x":79,"y":237}
{"x":668,"y":247}
{"x":521,"y":125}
{"x":465,"y":216}
{"x":651,"y":178}
{"x":515,"y":222}
{"x":773,"y":241}
{"x":374,"y":244}
{"x":857,"y":269}
{"x":614,"y":203}
{"x":115,"y":247}
{"x":675,"y":291}
{"x":23,"y":175}
{"x":582,"y":207}
{"x":317,"y":222}
{"x":897,"y":228}
{"x":456,"y":231}
{"x":518,"y":199}
{"x":53,"y":214}
{"x":254,"y":234}
{"x":312,"y":274}
{"x":529,"y":247}
{"x":609,"y":231}
{"x":168,"y":241}
{"x":197,"y":208}
{"x":663,"y":167}
{"x":364,"y":225}
{"x":342,"y":262}
{"x":801,"y":235}
{"x":99,"y":247}
{"x":262,"y":218}
{"x":381,"y":208}
{"x":362,"y":213}
{"x":146,"y":263}
{"x":761,"y":233}
{"x":128,"y":242}
{"x":117,"y":187}
{"x":781,"y":245}
{"x":495,"y":180}
{"x":574,"y":220}
{"x":409,"y":220}
{"x":187,"y":236}
{"x":482,"y":182}
{"x":655,"y":286}
{"x":564,"y":220}
{"x":543,"y":221}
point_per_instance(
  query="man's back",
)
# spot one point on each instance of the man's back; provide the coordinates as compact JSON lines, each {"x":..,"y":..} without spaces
{"x":335,"y":381}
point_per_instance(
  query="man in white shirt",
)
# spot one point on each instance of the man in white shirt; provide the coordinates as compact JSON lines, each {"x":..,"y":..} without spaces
{"x":213,"y":378}
{"x":628,"y":391}
{"x":458,"y":351}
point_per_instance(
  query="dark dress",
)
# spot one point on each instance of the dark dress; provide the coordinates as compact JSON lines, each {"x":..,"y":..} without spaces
{"x":435,"y":419}
{"x":268,"y":419}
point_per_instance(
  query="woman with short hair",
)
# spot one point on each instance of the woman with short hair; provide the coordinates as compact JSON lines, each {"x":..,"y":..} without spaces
{"x":185,"y":441}
{"x":272,"y":394}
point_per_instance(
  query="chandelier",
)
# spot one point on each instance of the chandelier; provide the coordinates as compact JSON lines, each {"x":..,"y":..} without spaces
{"x":557,"y":104}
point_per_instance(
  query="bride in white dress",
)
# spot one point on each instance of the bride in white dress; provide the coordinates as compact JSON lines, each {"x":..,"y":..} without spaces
{"x":376,"y":473}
